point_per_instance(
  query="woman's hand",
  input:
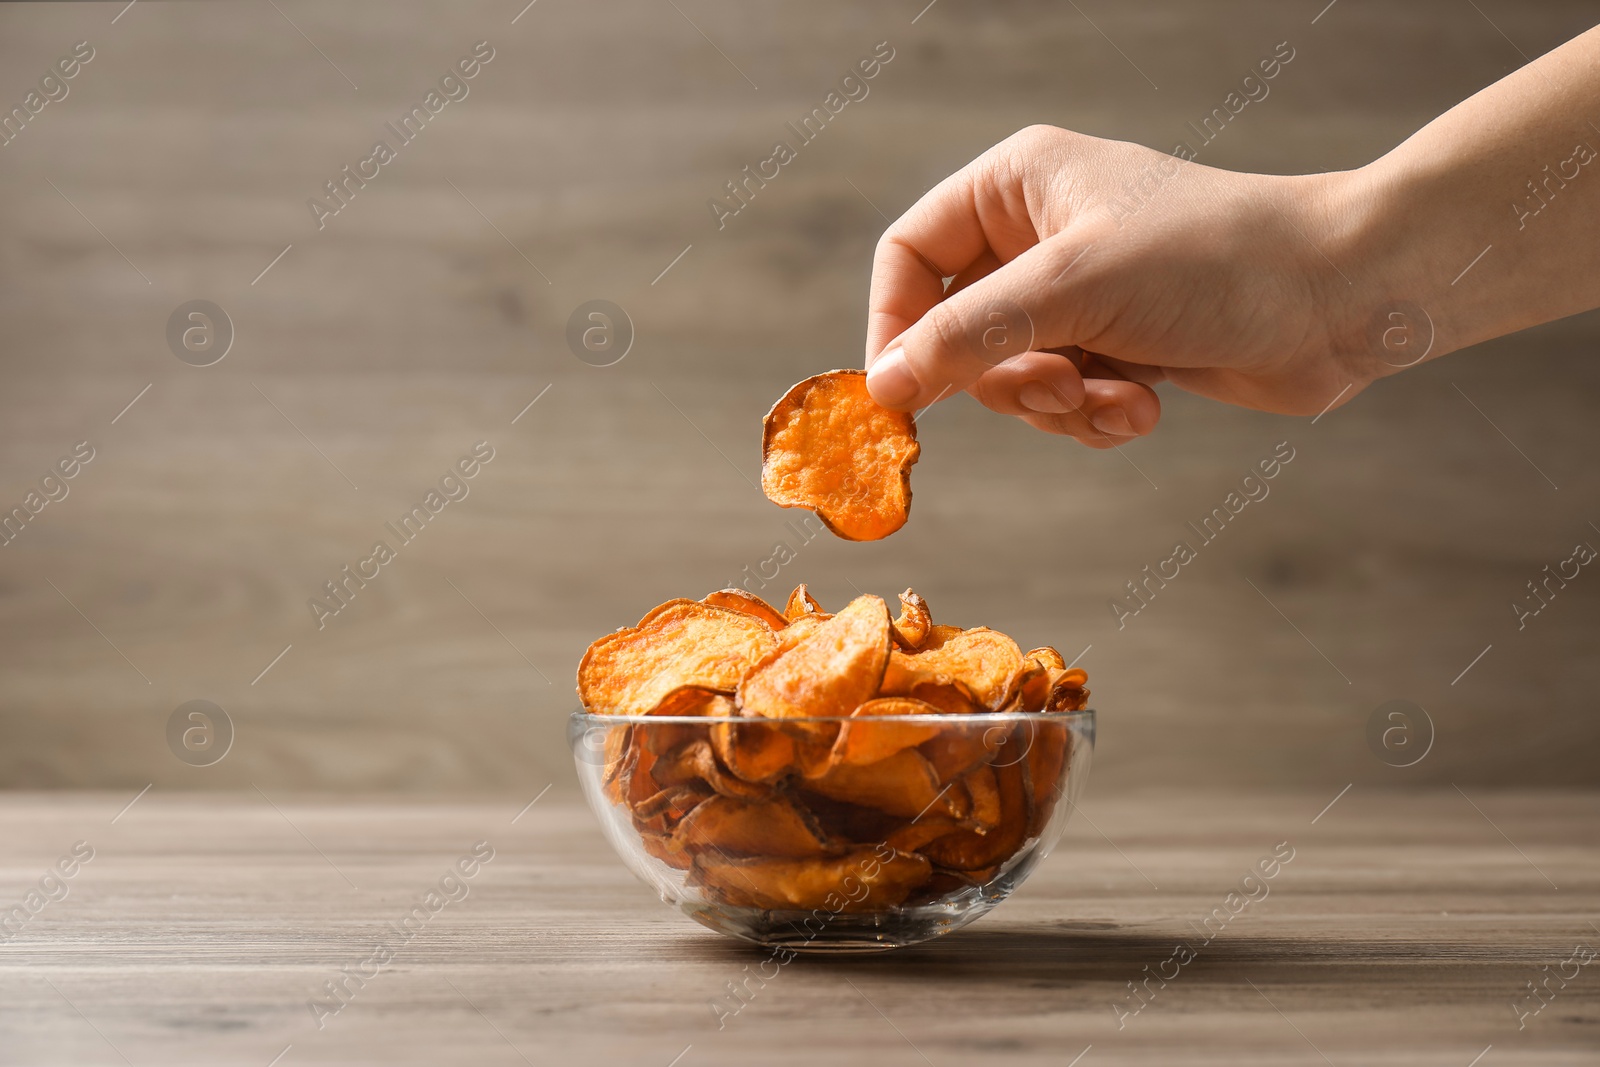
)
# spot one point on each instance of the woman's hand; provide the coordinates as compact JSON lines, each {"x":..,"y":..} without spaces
{"x":1085,"y":271}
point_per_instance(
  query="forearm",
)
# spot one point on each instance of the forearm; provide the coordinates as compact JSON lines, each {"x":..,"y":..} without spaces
{"x":1488,"y":218}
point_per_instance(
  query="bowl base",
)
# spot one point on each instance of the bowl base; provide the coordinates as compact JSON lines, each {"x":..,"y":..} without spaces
{"x":821,"y":933}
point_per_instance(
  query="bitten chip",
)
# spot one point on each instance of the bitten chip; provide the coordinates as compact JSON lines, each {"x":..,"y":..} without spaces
{"x":681,"y":643}
{"x":828,"y":446}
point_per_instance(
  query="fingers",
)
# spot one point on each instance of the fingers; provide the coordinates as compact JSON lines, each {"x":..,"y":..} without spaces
{"x":1113,"y":412}
{"x":1032,"y":383}
{"x":963,"y":228}
{"x":1048,"y":392}
{"x":1009,"y":311}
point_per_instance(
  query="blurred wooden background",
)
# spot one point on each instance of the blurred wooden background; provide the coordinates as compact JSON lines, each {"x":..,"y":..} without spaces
{"x":428,"y":313}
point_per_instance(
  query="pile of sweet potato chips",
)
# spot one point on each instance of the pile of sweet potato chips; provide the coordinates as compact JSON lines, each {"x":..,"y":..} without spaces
{"x":828,"y":446}
{"x":827,"y":766}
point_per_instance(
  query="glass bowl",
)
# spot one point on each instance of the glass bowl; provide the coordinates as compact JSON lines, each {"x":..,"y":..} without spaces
{"x":833,"y":835}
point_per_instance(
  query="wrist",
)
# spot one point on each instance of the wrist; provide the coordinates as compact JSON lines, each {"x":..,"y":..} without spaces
{"x":1376,"y":320}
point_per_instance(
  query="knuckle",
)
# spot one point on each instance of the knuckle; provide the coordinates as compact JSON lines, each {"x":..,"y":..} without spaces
{"x":943,"y":331}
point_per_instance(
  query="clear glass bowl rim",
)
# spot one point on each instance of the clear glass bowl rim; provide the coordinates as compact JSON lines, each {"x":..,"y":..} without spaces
{"x":590,"y":718}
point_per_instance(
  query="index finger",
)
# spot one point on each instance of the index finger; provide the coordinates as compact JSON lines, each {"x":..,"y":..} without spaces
{"x":956,"y":224}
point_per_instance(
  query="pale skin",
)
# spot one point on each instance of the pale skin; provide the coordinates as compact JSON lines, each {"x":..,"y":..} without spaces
{"x":1070,"y":299}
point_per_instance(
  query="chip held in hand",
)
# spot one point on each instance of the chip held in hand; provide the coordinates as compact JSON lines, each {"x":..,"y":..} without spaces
{"x":828,"y":446}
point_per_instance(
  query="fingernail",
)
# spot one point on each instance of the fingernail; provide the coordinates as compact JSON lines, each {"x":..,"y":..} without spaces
{"x":890,"y":380}
{"x":1112,"y":421}
{"x":1037,"y":396}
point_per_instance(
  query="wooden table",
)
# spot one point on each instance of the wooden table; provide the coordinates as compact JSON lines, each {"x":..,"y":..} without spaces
{"x":1401,"y":932}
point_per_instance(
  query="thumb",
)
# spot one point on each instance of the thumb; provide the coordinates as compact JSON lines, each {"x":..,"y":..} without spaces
{"x":1014,"y":309}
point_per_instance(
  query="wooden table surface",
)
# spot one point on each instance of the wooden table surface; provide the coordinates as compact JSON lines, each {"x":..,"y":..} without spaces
{"x":1402,"y":932}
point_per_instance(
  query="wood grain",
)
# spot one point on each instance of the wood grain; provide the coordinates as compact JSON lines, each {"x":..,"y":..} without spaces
{"x":1400,"y":933}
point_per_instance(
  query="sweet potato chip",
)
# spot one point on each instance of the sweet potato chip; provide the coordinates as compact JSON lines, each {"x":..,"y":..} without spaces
{"x":801,"y":603}
{"x":869,"y":742}
{"x":800,"y":629}
{"x":749,"y":603}
{"x":914,"y":623}
{"x":970,"y":850}
{"x":1047,"y":757}
{"x":981,"y":659}
{"x":915,"y":834}
{"x":1067,"y":692}
{"x":1026,"y":689}
{"x":1047,"y":657}
{"x":828,"y":446}
{"x":955,"y":752}
{"x":681,"y":643}
{"x":829,"y":672}
{"x":672,"y":803}
{"x":985,"y":792}
{"x":687,"y":700}
{"x":736,"y":827}
{"x":659,"y":846}
{"x":695,"y":762}
{"x":803,"y":885}
{"x":754,"y":751}
{"x":904,"y":784}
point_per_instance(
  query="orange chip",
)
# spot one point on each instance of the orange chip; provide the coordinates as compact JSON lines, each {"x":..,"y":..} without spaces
{"x":981,"y":659}
{"x":918,"y":832}
{"x":985,"y":792}
{"x":754,"y":751}
{"x":828,"y":446}
{"x":868,"y":742}
{"x":801,"y":603}
{"x":904,"y":784}
{"x":970,"y":850}
{"x":694,"y":763}
{"x":657,"y":845}
{"x":911,"y":629}
{"x":1047,"y":756}
{"x":665,"y":808}
{"x":1026,"y":689}
{"x":1048,"y":658}
{"x":797,"y":630}
{"x":804,"y":885}
{"x":682,"y":642}
{"x":749,"y":828}
{"x":749,"y":603}
{"x":829,"y":672}
{"x":955,"y":752}
{"x":1067,"y":692}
